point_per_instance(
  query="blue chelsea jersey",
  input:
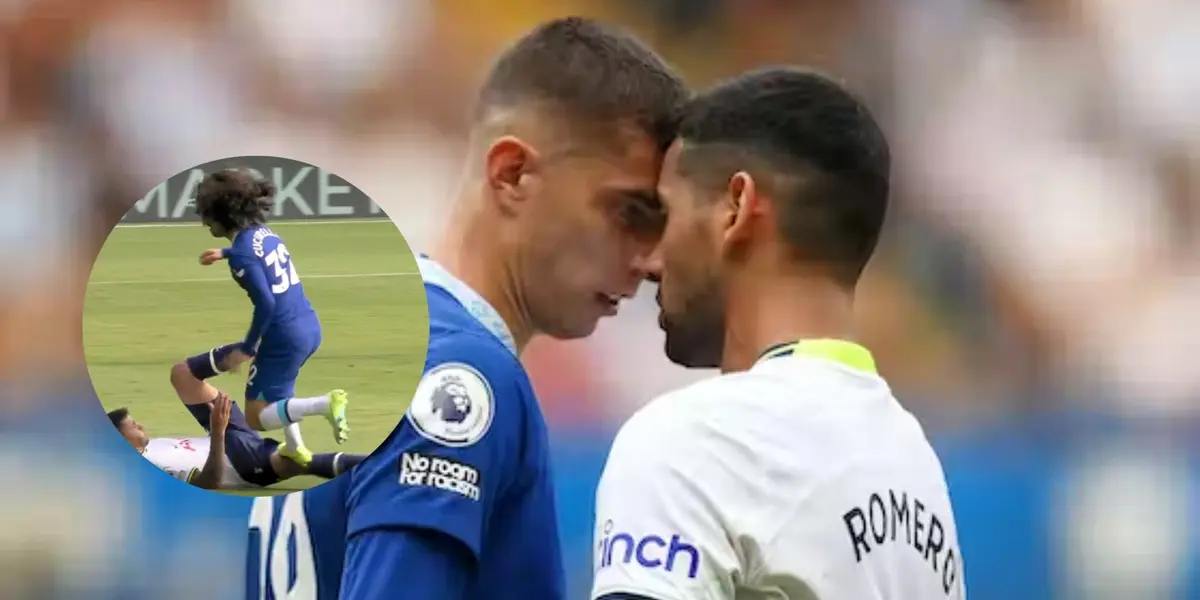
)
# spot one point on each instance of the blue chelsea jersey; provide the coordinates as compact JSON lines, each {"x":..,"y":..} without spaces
{"x":262,"y":266}
{"x":469,"y":462}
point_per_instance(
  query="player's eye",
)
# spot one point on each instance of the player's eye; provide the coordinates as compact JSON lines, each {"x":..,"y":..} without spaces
{"x":642,"y":214}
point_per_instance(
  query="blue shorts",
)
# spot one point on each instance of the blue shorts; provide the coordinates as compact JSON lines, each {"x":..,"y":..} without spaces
{"x":277,"y":365}
{"x":249,"y":452}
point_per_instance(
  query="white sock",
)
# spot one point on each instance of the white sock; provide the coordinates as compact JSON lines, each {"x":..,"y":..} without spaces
{"x":291,"y":437}
{"x":275,"y":416}
{"x":298,"y":408}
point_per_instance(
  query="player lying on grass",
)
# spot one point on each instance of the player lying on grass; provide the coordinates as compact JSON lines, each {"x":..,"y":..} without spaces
{"x":232,"y":456}
{"x":284,"y":331}
{"x":554,"y":220}
{"x":796,"y":473}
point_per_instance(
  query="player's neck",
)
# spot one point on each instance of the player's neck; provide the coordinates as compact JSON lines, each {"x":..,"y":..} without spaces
{"x":470,"y":254}
{"x":771,"y":310}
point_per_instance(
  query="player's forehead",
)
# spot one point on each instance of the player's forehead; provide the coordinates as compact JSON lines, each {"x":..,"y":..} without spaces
{"x":672,"y":186}
{"x":628,"y":159}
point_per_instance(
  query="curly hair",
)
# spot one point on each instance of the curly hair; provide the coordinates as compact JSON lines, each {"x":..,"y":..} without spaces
{"x":235,"y":198}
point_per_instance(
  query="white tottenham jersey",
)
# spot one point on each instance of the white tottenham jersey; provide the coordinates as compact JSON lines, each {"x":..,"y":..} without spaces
{"x":184,"y":458}
{"x":802,"y":478}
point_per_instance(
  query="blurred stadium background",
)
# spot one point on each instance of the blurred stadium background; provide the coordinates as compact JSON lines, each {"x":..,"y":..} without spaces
{"x":1034,"y":301}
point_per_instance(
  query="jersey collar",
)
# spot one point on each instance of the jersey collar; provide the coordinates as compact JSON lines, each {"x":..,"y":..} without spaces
{"x":843,"y":352}
{"x":437,"y":275}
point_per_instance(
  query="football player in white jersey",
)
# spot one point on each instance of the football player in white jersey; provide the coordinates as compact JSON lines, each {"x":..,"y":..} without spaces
{"x":794,"y":474}
{"x":232,"y":456}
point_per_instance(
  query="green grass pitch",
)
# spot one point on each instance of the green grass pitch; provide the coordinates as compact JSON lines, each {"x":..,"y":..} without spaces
{"x":150,"y":304}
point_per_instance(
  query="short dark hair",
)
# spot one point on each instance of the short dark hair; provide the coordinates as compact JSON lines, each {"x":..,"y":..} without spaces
{"x":822,"y":146}
{"x":235,"y":198}
{"x":593,"y":72}
{"x":118,"y":416}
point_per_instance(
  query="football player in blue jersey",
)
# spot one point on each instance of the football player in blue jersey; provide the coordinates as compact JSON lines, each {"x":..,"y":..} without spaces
{"x":284,"y":330}
{"x":555,"y":219}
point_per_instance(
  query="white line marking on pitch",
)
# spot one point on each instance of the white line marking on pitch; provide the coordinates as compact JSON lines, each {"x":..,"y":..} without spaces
{"x":208,"y":279}
{"x":271,"y":224}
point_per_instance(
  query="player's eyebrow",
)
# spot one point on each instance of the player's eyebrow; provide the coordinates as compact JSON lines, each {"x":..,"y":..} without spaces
{"x":646,"y":200}
{"x":640,"y":210}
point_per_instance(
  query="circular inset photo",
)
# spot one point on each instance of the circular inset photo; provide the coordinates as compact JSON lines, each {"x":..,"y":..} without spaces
{"x":255,"y":325}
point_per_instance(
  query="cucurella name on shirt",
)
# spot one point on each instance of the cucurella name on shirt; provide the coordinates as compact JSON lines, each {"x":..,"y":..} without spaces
{"x":257,"y":242}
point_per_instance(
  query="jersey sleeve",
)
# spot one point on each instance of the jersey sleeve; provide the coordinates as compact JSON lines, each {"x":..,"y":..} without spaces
{"x":375,"y":554}
{"x":191,"y":475}
{"x":658,"y":534}
{"x":183,"y":474}
{"x":455,"y":451}
{"x":249,"y":273}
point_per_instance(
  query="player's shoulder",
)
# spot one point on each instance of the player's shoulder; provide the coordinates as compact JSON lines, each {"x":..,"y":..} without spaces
{"x":255,"y":236}
{"x":456,"y":336}
{"x":470,"y":379}
{"x":714,"y":416}
{"x":242,"y":244}
{"x":478,"y":350}
{"x":684,"y":410}
{"x":680,"y":422}
{"x":800,"y":391}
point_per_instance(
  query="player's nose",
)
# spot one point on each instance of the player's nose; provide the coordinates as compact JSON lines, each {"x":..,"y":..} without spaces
{"x":649,"y":266}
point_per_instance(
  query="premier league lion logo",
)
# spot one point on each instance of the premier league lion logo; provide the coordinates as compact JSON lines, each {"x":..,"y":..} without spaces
{"x":450,"y":400}
{"x":452,"y":405}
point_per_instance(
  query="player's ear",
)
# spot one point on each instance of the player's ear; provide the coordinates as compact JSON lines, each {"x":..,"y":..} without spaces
{"x":508,"y":163}
{"x":740,"y":201}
